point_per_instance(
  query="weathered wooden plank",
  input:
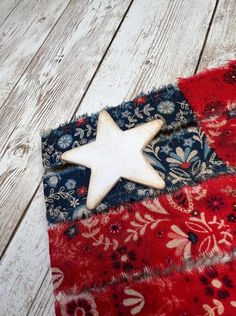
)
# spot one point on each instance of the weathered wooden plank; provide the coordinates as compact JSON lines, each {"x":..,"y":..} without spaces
{"x":152,"y":49}
{"x":26,"y":263}
{"x":221,"y":42}
{"x":44,"y":305}
{"x":48,"y":93}
{"x":6,"y":7}
{"x":21,"y":35}
{"x":164,"y":20}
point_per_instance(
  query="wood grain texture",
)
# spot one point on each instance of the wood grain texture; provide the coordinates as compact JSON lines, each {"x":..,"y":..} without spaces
{"x":158,"y":41}
{"x":44,"y":304}
{"x":146,"y":22}
{"x":21,"y":35}
{"x":26,"y":263}
{"x":220,"y":46}
{"x":48,"y":93}
{"x":221,"y":42}
{"x":6,"y":8}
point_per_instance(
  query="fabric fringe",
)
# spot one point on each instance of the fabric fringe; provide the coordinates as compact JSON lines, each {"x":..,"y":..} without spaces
{"x":151,"y":274}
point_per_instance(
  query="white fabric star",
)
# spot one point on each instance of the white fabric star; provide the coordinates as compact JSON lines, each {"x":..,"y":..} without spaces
{"x":116,"y":154}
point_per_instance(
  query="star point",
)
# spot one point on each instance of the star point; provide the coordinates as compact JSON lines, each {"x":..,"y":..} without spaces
{"x":116,"y":154}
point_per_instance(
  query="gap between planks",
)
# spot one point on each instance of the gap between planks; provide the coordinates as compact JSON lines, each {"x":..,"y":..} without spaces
{"x":23,"y":32}
{"x":166,"y":18}
{"x":167,"y":22}
{"x":204,"y":46}
{"x":25,"y":70}
{"x":76,"y":109}
{"x":84,"y":31}
{"x":119,"y":8}
{"x":10,"y":6}
{"x":199,"y":65}
{"x":206,"y":37}
{"x":30,"y":62}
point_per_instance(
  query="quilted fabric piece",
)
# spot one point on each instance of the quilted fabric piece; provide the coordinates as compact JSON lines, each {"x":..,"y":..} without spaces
{"x":137,"y":252}
{"x":208,"y":291}
{"x":157,"y":233}
{"x":168,"y":103}
{"x":212,"y":96}
{"x":181,"y":158}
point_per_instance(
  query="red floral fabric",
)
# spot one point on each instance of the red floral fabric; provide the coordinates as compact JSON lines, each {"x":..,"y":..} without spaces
{"x":155,"y":234}
{"x":212,"y":95}
{"x":169,"y":255}
{"x":209,"y":291}
{"x":221,"y":133}
{"x":158,"y":233}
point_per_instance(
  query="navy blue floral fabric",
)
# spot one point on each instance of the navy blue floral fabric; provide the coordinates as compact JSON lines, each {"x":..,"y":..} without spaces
{"x":181,"y":158}
{"x":168,"y":103}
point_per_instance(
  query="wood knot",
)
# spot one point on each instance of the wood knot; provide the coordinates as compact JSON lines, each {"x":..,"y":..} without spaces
{"x":42,"y":19}
{"x":21,"y":149}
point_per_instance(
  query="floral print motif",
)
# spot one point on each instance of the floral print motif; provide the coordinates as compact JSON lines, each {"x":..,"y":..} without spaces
{"x":115,"y":228}
{"x":70,"y":184}
{"x":82,"y":304}
{"x":230,"y":77}
{"x":65,"y":141}
{"x":81,"y":121}
{"x":194,"y":237}
{"x":82,"y":190}
{"x":168,"y":104}
{"x":215,"y":203}
{"x":130,"y":186}
{"x":231,"y":218}
{"x":157,"y":233}
{"x":215,"y":285}
{"x":166,"y":107}
{"x":212,"y":96}
{"x":123,"y":259}
{"x":177,"y":163}
{"x":210,"y":292}
{"x":182,"y":159}
{"x":125,"y":114}
{"x":210,"y":92}
{"x":141,"y":247}
{"x":57,"y":277}
{"x":52,"y":181}
{"x":165,"y":149}
{"x":135,"y":300}
{"x":72,"y":231}
{"x":140,"y":100}
{"x":189,"y":142}
{"x":213,"y":108}
{"x":221,"y":133}
{"x":181,"y":241}
{"x":213,"y":233}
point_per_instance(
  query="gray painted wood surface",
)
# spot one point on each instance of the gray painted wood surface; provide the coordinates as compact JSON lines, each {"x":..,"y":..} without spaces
{"x":85,"y":55}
